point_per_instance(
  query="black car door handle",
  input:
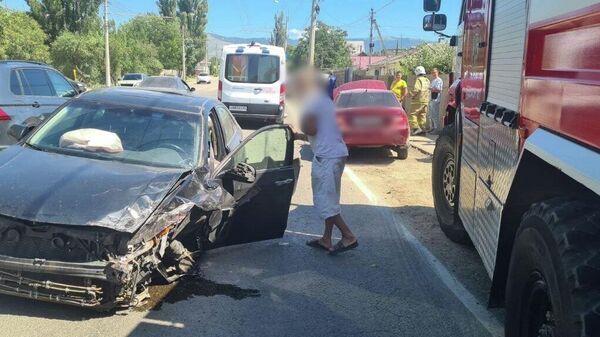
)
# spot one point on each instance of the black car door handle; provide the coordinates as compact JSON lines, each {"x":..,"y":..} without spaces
{"x":35,"y":104}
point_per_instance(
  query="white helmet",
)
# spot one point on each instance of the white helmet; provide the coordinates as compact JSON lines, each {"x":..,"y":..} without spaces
{"x":419,"y":70}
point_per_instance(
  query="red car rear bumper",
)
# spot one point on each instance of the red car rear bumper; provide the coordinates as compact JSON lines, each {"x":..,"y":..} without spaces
{"x":376,"y":137}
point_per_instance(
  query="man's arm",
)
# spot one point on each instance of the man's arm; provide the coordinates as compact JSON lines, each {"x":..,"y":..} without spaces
{"x":308,"y":126}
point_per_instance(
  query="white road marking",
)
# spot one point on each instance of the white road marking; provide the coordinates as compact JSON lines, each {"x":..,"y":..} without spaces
{"x":307,"y":234}
{"x":163,"y":323}
{"x":480,"y":312}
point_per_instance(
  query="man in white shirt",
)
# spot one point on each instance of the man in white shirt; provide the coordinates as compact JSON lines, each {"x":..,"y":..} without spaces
{"x":319,"y":127}
{"x":434,"y":104}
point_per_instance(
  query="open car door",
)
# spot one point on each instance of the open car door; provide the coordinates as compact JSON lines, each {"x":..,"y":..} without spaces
{"x":261,"y":174}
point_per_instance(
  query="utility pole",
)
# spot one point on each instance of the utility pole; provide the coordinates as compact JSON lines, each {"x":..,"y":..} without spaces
{"x":371,"y":44}
{"x":314,"y":10}
{"x":183,"y":50}
{"x":106,"y":46}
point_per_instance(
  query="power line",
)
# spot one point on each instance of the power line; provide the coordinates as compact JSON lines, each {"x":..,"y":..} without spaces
{"x":367,"y":17}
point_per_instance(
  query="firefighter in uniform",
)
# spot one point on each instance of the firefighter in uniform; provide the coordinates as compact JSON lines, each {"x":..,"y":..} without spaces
{"x":420,"y":103}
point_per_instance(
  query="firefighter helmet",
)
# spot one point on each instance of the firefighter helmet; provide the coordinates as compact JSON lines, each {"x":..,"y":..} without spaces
{"x":419,"y":70}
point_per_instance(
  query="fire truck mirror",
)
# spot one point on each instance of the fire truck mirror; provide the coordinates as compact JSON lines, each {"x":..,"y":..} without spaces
{"x":434,"y":22}
{"x":432,"y":5}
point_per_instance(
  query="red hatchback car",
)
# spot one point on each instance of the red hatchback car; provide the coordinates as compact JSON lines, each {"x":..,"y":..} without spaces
{"x":372,"y":118}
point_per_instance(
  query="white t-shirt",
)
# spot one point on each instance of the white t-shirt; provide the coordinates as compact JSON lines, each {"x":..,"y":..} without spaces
{"x":438,"y":84}
{"x":328,"y":142}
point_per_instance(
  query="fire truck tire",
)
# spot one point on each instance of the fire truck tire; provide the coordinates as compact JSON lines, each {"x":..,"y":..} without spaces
{"x":553,"y":286}
{"x":445,"y":187}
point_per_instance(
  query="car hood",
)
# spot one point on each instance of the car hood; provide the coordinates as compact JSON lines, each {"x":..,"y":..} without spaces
{"x":52,"y":188}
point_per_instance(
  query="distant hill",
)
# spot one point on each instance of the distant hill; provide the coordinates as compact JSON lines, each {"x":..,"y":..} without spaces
{"x":216,"y":42}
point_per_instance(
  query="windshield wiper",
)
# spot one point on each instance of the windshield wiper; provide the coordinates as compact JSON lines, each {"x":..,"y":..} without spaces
{"x":35,"y":147}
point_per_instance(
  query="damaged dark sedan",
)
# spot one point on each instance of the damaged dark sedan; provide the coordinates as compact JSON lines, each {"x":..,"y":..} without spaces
{"x":121,"y":187}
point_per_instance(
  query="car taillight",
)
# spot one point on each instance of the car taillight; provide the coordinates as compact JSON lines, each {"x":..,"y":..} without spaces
{"x":282,"y":90}
{"x":220,"y":92}
{"x":4,"y":116}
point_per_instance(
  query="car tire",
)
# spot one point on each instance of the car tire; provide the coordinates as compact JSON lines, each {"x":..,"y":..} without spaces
{"x":401,"y":152}
{"x":554,"y":274}
{"x":445,"y":184}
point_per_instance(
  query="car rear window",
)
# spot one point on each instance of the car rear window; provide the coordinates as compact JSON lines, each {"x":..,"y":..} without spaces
{"x":366,"y":98}
{"x":252,"y":68}
{"x":132,"y":77}
{"x":160,"y":82}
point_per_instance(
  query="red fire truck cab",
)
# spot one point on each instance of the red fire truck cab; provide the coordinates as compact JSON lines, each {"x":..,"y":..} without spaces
{"x":517,"y":172}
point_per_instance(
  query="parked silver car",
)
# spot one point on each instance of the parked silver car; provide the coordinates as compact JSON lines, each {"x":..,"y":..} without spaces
{"x":29,"y":90}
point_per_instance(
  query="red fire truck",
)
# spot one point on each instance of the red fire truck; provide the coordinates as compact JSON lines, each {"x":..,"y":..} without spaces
{"x":517,"y":172}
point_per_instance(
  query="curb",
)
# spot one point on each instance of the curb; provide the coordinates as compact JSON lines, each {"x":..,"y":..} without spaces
{"x":422,"y":150}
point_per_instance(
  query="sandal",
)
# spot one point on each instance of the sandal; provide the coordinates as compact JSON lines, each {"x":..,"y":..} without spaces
{"x":316,"y":244}
{"x":340,"y":248}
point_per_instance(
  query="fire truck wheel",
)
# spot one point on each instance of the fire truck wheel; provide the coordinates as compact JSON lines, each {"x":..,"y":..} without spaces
{"x":554,"y":274}
{"x":445,"y":187}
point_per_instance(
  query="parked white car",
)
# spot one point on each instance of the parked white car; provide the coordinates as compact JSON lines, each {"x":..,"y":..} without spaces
{"x":203,"y":78}
{"x":131,"y":79}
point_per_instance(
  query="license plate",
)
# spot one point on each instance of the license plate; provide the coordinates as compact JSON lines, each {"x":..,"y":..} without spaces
{"x":367,"y":121}
{"x":238,"y":108}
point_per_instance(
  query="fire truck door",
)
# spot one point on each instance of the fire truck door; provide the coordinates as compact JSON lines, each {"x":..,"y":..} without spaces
{"x":474,"y":71}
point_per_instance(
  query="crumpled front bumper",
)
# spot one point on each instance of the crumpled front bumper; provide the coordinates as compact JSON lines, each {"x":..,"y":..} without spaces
{"x":96,"y":284}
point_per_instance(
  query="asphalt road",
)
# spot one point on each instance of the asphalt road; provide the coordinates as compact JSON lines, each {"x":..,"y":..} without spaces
{"x":405,"y":278}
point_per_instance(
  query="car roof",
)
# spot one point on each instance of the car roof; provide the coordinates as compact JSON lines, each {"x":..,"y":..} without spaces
{"x":151,"y":98}
{"x":23,"y":63}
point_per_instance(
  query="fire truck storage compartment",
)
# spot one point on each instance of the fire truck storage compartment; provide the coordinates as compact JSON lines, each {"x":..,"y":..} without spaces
{"x":509,"y":24}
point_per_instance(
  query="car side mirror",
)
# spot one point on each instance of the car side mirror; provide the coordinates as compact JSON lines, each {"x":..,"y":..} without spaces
{"x":434,"y":22}
{"x":192,"y":89}
{"x":241,"y":172}
{"x":432,"y":5}
{"x":18,"y":131}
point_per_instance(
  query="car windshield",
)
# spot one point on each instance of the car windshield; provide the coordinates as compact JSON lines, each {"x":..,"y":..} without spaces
{"x":160,"y":82}
{"x":252,"y":68}
{"x":137,"y":135}
{"x":367,"y":98}
{"x":132,"y":77}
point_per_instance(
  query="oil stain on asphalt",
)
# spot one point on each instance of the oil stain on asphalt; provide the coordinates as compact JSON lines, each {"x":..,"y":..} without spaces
{"x":190,"y":286}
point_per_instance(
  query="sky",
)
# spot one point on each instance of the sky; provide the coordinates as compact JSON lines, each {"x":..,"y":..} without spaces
{"x":254,"y":18}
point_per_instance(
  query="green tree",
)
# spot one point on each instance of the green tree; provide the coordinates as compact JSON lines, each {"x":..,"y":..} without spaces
{"x":194,"y":16}
{"x":55,"y":16}
{"x":21,"y":37}
{"x":83,"y":52}
{"x":430,"y":56}
{"x":331,"y":51}
{"x":167,"y":7}
{"x":162,"y":33}
{"x":279,"y":35}
{"x":213,"y":66}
